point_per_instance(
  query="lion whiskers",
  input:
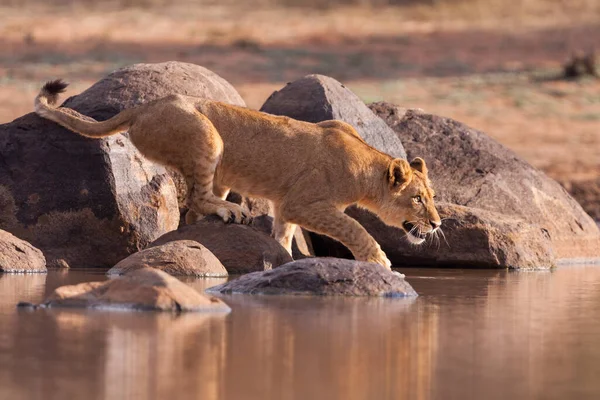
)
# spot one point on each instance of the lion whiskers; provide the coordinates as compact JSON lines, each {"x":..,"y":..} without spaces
{"x":440,"y":232}
{"x":411,"y":234}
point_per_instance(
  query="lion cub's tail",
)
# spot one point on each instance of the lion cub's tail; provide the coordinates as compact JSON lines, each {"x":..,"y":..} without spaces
{"x":71,"y":119}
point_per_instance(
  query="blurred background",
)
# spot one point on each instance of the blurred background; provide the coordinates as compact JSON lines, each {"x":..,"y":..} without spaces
{"x":520,"y":70}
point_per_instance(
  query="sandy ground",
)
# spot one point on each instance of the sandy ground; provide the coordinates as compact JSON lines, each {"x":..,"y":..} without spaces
{"x":492,"y":67}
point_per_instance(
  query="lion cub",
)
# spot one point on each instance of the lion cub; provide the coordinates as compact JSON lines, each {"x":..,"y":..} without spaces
{"x":310,"y":172}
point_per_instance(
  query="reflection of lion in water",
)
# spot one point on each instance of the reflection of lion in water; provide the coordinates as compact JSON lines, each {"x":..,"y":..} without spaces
{"x":310,"y":172}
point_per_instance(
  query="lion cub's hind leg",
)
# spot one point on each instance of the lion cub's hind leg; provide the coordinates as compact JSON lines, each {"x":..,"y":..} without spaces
{"x":206,"y":151}
{"x":204,"y":201}
{"x":191,"y":217}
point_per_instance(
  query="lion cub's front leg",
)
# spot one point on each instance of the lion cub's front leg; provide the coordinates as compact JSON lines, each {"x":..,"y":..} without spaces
{"x":327,"y":220}
{"x":283,"y":232}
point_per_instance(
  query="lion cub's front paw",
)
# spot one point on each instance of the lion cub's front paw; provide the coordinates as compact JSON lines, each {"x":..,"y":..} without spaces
{"x":235,"y":213}
{"x":381,"y":259}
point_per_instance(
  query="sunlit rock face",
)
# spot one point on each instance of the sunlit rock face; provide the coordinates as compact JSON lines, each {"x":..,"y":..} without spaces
{"x":177,"y":258}
{"x":317,"y":98}
{"x":17,"y":255}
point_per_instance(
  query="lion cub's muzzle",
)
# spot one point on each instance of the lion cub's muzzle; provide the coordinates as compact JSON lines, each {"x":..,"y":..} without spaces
{"x":416,"y":234}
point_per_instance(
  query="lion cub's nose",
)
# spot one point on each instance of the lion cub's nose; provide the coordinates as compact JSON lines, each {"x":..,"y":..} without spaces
{"x":435,"y":224}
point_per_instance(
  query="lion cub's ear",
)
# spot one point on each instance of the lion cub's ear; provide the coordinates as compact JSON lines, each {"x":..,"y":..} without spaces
{"x":399,"y":174}
{"x":419,"y":164}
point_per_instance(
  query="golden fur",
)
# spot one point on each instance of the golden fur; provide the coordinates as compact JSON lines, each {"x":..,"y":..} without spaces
{"x":310,"y":172}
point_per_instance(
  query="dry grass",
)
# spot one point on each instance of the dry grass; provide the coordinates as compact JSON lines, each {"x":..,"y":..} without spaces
{"x":270,"y":22}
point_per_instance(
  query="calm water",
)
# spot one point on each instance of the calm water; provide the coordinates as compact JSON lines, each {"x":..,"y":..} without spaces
{"x":470,"y":335}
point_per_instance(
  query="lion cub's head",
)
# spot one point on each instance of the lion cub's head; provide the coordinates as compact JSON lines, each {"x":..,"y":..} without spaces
{"x":408,"y":200}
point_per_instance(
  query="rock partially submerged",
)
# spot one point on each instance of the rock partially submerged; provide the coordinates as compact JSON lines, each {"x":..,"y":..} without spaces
{"x":321,"y":277}
{"x":143,"y":289}
{"x":317,"y":98}
{"x":240,"y":248}
{"x":17,"y":255}
{"x":181,"y":257}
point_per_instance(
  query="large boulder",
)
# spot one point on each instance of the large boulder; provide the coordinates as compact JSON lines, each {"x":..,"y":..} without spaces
{"x":143,"y":289}
{"x":317,"y":98}
{"x":240,"y":248}
{"x":470,"y":169}
{"x":17,"y":255}
{"x":91,"y":202}
{"x":322,"y":277}
{"x":472,"y":238}
{"x":141,"y":83}
{"x":181,"y":257}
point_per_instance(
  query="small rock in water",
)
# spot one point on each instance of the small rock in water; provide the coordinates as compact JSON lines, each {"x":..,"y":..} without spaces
{"x":180,"y":257}
{"x":143,"y":289}
{"x":240,"y":248}
{"x":26,"y":304}
{"x":322,"y":277}
{"x":19,"y":256}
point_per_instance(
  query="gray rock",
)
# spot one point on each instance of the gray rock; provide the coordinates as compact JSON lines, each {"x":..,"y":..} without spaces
{"x":317,"y":98}
{"x":17,"y":255}
{"x":322,"y":277}
{"x":240,"y":248}
{"x":143,"y":289}
{"x":92,"y":202}
{"x":140,"y":83}
{"x":181,"y":257}
{"x":470,"y":169}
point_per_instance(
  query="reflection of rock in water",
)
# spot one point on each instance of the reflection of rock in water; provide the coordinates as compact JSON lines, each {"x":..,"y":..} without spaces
{"x":159,"y":355}
{"x":472,"y":334}
{"x":344,"y":348}
{"x":18,"y":287}
{"x":114,"y":355}
{"x":268,"y":347}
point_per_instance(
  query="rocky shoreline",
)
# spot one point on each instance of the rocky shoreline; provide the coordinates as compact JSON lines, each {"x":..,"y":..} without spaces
{"x":71,"y":201}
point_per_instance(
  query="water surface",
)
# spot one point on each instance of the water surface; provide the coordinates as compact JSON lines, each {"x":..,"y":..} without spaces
{"x":470,"y":334}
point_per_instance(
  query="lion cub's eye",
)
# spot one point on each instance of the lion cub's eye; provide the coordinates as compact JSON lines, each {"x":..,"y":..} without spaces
{"x":417,"y":199}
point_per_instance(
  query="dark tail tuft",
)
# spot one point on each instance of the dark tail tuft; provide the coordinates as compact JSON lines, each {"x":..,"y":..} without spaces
{"x":52,"y":89}
{"x":55,"y":87}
